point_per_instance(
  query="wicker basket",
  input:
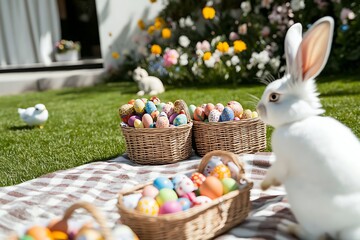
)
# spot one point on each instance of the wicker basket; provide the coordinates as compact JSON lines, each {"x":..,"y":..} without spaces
{"x":244,"y":136}
{"x":200,"y":222}
{"x":158,"y":145}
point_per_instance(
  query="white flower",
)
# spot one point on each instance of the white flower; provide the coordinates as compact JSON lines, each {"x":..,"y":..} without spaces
{"x":246,"y":7}
{"x":297,"y":5}
{"x":226,"y":76}
{"x":275,"y":63}
{"x":259,"y":59}
{"x":183,"y":59}
{"x":184,"y":41}
{"x":235,"y":60}
{"x":228,"y":63}
{"x":237,"y":68}
{"x":210,"y":63}
{"x":186,"y":22}
{"x":215,"y":40}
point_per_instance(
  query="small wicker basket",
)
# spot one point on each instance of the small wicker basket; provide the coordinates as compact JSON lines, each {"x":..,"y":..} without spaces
{"x":158,"y":145}
{"x":243,"y":136}
{"x":200,"y":222}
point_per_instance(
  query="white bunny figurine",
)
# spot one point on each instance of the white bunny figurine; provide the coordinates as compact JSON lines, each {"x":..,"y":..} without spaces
{"x":147,"y":84}
{"x":317,"y":158}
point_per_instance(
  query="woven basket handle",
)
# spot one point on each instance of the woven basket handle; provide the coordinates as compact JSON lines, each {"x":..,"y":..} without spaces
{"x":95,"y":213}
{"x":226,"y":157}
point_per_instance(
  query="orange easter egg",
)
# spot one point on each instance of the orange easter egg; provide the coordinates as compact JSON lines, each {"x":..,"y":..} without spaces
{"x":199,"y":114}
{"x":39,"y":233}
{"x":208,"y":108}
{"x":221,"y":171}
{"x":211,"y":187}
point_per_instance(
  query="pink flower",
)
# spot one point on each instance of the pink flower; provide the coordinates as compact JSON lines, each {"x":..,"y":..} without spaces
{"x":203,"y":46}
{"x":171,"y":57}
{"x":346,"y":14}
{"x":233,"y":36}
{"x":265,"y":31}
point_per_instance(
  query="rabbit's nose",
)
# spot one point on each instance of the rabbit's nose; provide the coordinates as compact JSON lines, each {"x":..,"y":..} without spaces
{"x":260,"y":108}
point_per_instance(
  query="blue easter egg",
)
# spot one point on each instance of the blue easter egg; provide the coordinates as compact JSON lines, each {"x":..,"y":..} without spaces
{"x":227,"y":115}
{"x":180,"y":119}
{"x":185,"y":203}
{"x":163,"y":182}
{"x":150,"y":107}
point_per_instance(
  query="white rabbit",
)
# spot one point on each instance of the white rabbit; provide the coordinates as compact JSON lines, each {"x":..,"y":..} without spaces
{"x":147,"y":84}
{"x":317,"y":158}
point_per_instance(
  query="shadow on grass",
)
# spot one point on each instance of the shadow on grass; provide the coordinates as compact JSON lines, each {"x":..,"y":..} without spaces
{"x":21,"y":128}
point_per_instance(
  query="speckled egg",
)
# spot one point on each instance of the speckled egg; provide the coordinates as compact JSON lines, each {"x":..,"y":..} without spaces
{"x":221,"y":171}
{"x":181,"y":119}
{"x":138,"y":123}
{"x":139,"y":106}
{"x":163,"y":182}
{"x":150,"y":107}
{"x":147,"y":120}
{"x":236,"y":107}
{"x":132,"y":120}
{"x":229,"y":184}
{"x":170,"y":207}
{"x":166,"y":195}
{"x":211,"y":187}
{"x":199,"y":114}
{"x":125,"y":111}
{"x":200,"y":200}
{"x":197,"y":178}
{"x":192,"y":110}
{"x":219,"y":107}
{"x":150,"y":191}
{"x":208,"y":108}
{"x":172,"y":117}
{"x":148,"y":206}
{"x":162,"y":122}
{"x":184,"y":186}
{"x":214,"y":116}
{"x":185,"y":203}
{"x":168,"y":109}
{"x":227,"y":115}
{"x":213,"y":162}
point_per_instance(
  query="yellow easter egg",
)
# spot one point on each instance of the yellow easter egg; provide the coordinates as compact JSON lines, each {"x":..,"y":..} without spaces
{"x":138,"y":123}
{"x":148,"y":206}
{"x":221,"y":171}
{"x":139,"y":106}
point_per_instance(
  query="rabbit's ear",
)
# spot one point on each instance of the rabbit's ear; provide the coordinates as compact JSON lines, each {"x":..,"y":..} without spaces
{"x":315,"y":48}
{"x":292,"y":42}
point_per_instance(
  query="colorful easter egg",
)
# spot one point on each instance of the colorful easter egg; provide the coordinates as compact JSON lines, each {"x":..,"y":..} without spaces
{"x":247,"y":114}
{"x":254,"y":114}
{"x":148,"y":206}
{"x":155,"y":115}
{"x":208,"y":108}
{"x":132,"y":101}
{"x":192,"y":110}
{"x":236,"y":107}
{"x":125,"y":111}
{"x":185,"y":203}
{"x":150,"y":107}
{"x":170,"y":207}
{"x":150,"y":191}
{"x":166,"y":195}
{"x":177,"y":178}
{"x":138,"y":123}
{"x":168,"y":109}
{"x":147,"y":120}
{"x":139,"y":106}
{"x":160,"y":106}
{"x":227,"y":115}
{"x":39,"y":233}
{"x":199,"y":114}
{"x":180,"y":106}
{"x":132,"y":120}
{"x":200,"y":200}
{"x":163,"y":182}
{"x":181,"y":119}
{"x":211,"y":187}
{"x":155,"y":100}
{"x":214,"y":116}
{"x":213,"y":162}
{"x":197,"y":178}
{"x":219,"y":107}
{"x":184,"y":186}
{"x":130,"y":201}
{"x":162,"y":122}
{"x":144,"y":100}
{"x":221,"y":171}
{"x":172,"y":117}
{"x":229,"y":184}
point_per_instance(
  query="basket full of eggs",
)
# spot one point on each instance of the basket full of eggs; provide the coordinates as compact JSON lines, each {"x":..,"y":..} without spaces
{"x":197,"y":205}
{"x":156,"y":132}
{"x":229,"y":128}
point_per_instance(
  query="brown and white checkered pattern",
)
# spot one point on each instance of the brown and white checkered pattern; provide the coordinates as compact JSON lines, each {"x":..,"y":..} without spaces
{"x":47,"y":197}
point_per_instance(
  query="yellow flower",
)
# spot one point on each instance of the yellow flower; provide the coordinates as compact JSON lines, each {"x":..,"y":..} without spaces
{"x":207,"y":56}
{"x":159,"y":22}
{"x":115,"y":55}
{"x":208,"y":12}
{"x":153,"y":1}
{"x":151,"y":29}
{"x":156,"y":49}
{"x":141,"y":24}
{"x":222,"y":47}
{"x":239,"y":46}
{"x":166,"y":33}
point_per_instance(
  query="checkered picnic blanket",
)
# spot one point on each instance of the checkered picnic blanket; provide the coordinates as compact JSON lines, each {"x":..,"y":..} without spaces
{"x":47,"y":197}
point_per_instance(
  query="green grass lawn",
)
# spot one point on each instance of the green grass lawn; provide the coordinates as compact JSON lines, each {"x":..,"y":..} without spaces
{"x":83,"y":124}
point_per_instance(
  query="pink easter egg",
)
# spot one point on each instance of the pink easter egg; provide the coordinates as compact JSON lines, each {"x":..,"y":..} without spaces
{"x":147,"y":120}
{"x":170,"y":207}
{"x":162,"y":122}
{"x":208,"y":108}
{"x":150,"y":191}
{"x":219,"y":107}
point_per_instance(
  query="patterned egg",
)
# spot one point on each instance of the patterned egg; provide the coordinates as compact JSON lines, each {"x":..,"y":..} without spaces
{"x":170,"y":207}
{"x":219,"y":107}
{"x":131,"y":201}
{"x":172,"y":117}
{"x":247,"y":114}
{"x":184,"y":186}
{"x":148,"y":206}
{"x":221,"y":171}
{"x":214,"y":115}
{"x":177,"y":178}
{"x":132,"y":120}
{"x":39,"y":233}
{"x":86,"y":233}
{"x":211,"y":187}
{"x":139,"y":106}
{"x":227,"y":115}
{"x":166,"y":195}
{"x":138,"y":123}
{"x":147,"y":120}
{"x":197,"y":178}
{"x":163,"y":182}
{"x":208,"y":108}
{"x":192,"y":110}
{"x":160,"y":106}
{"x":213,"y":162}
{"x":125,"y":111}
{"x":155,"y":115}
{"x":155,"y":100}
{"x":168,"y":109}
{"x":199,"y":114}
{"x":132,"y":101}
{"x":229,"y":184}
{"x":150,"y":107}
{"x":150,"y":191}
{"x":180,"y":106}
{"x":200,"y":200}
{"x":162,"y":122}
{"x":181,"y":119}
{"x":236,"y":107}
{"x":185,"y":203}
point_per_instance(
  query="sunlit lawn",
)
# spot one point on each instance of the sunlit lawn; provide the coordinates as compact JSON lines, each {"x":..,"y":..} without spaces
{"x":84,"y":125}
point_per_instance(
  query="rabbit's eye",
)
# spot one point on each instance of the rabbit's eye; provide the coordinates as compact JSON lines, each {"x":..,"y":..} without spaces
{"x":274,"y":97}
